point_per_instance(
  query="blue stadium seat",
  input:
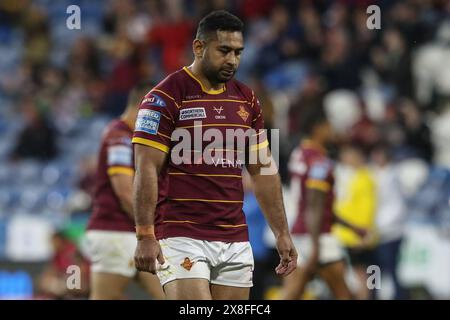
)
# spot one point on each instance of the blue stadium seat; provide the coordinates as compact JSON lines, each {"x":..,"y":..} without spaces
{"x":3,"y":224}
{"x":432,"y":200}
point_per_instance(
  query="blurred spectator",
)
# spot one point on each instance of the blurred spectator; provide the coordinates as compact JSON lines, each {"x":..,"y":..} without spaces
{"x":441,"y":138}
{"x":37,"y":36}
{"x":84,"y":56}
{"x":52,"y":283}
{"x":254,"y":9}
{"x":38,"y":139}
{"x":392,"y":61}
{"x":356,"y":206}
{"x":309,"y":98}
{"x":337,"y":64}
{"x":416,"y":140}
{"x":172,"y":34}
{"x":390,"y":218}
{"x":271,"y":55}
{"x":431,"y":72}
{"x":309,"y":31}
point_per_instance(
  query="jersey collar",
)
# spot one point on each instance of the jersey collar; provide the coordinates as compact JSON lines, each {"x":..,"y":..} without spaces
{"x":211,"y":91}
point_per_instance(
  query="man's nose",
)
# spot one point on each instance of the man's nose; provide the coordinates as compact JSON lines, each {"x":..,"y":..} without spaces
{"x":232,"y":59}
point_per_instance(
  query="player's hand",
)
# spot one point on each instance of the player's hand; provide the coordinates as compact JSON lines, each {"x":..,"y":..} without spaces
{"x":361,"y":232}
{"x":288,"y":255}
{"x":147,"y":252}
{"x":368,"y":240}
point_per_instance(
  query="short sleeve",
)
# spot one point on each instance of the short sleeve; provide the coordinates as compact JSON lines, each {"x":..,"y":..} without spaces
{"x":259,"y":137}
{"x":119,"y":155}
{"x":296,"y":165}
{"x":318,"y":176}
{"x":155,"y":122}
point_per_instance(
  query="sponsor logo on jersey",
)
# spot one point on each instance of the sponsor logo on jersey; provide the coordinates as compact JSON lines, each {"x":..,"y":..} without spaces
{"x":148,"y":121}
{"x":219,"y":116}
{"x":319,"y":171}
{"x":120,"y":155}
{"x":192,"y":113}
{"x":153,"y":100}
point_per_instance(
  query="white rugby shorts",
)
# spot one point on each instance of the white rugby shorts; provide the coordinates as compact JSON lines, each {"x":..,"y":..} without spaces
{"x":112,"y":251}
{"x":222,"y":263}
{"x":330,"y":248}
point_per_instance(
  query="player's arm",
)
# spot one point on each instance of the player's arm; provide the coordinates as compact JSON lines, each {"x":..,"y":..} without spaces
{"x":267,"y":187}
{"x":268,"y":193}
{"x":359,"y":231}
{"x":120,"y":171}
{"x":122,"y":184}
{"x":148,"y":164}
{"x":151,"y":138}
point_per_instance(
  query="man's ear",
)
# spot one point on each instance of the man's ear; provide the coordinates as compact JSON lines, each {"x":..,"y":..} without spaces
{"x":198,"y":46}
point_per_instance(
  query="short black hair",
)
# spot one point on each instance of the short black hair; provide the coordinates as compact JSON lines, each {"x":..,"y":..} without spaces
{"x":312,"y":118}
{"x":219,"y":20}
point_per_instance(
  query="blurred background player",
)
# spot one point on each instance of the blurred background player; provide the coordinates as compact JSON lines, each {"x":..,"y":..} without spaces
{"x":356,"y":207}
{"x":52,"y":282}
{"x":312,"y":179}
{"x":111,"y":235}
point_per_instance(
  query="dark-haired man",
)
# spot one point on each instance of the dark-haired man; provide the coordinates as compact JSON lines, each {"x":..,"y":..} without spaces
{"x":190,"y":225}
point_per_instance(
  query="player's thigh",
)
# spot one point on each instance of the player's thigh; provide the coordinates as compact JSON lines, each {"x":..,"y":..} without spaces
{"x":185,"y":258}
{"x":188,"y":289}
{"x":234,"y":264}
{"x":334,"y":276}
{"x":294,"y":284}
{"x":108,"y":286}
{"x":330,"y":248}
{"x":151,"y":285}
{"x":220,"y":292}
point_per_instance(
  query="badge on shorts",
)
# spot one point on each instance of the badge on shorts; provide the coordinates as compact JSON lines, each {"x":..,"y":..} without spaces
{"x":187,"y":264}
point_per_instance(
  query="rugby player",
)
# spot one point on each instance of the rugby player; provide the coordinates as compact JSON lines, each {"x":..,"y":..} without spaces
{"x":111,"y":234}
{"x":312,"y":181}
{"x":190,"y":226}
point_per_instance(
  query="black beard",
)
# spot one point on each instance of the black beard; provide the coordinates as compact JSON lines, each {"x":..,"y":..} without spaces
{"x":214,"y":76}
